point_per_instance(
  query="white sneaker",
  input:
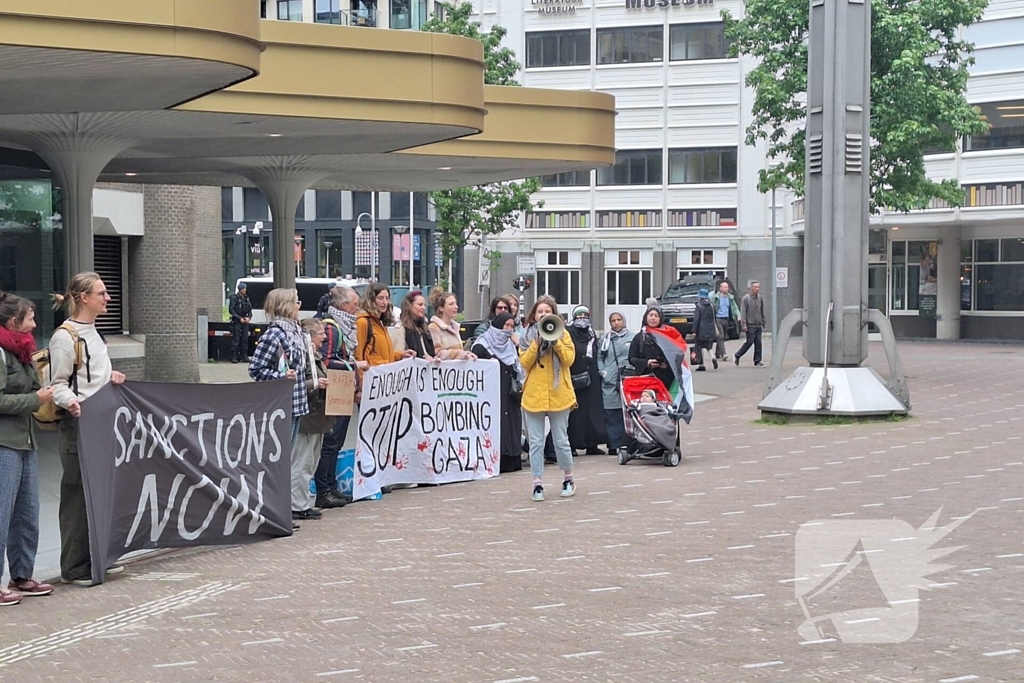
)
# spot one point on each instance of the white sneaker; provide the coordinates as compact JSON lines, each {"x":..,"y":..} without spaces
{"x":538,"y":492}
{"x":568,"y":489}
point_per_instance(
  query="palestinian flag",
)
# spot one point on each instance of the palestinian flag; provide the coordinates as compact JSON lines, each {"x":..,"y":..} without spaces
{"x":674,"y":347}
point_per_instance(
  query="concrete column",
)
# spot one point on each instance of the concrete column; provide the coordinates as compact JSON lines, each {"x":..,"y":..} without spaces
{"x":947,"y":304}
{"x":284,"y":187}
{"x":162,"y":285}
{"x":76,"y":162}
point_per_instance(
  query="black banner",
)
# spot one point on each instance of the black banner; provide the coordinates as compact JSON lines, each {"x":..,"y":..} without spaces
{"x":182,"y":465}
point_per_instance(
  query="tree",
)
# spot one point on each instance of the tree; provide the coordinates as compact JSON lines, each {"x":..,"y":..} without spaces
{"x":477,"y":211}
{"x":918,"y":85}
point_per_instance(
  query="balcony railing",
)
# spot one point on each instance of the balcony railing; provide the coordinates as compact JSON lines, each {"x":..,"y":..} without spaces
{"x":349,"y":17}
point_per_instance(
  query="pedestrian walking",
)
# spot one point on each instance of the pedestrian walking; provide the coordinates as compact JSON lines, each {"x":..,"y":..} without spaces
{"x":240,"y":310}
{"x":752,"y":319}
{"x":20,"y":396}
{"x":79,"y":367}
{"x":497,"y":343}
{"x":612,"y":361}
{"x":586,"y":421}
{"x":727,"y":313}
{"x":705,"y":331}
{"x":548,"y":394}
{"x":312,"y":427}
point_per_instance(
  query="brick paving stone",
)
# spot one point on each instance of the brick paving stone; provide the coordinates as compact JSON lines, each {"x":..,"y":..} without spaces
{"x":649,"y":574}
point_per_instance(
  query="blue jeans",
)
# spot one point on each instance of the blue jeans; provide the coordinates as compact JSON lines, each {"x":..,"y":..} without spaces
{"x":615,"y":428}
{"x":559,"y":435}
{"x":19,"y":511}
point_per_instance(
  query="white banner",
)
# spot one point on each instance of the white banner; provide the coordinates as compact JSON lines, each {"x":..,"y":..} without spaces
{"x":428,"y":423}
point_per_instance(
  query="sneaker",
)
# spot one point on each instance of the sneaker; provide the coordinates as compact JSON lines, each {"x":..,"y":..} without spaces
{"x":9,"y":598}
{"x":30,"y":587}
{"x":596,"y":451}
{"x":311,"y":513}
{"x":758,"y":365}
{"x":331,"y":499}
{"x":737,"y":359}
{"x":714,"y":362}
{"x":701,"y":368}
{"x":116,"y":569}
{"x":538,"y":492}
{"x":85,"y":583}
{"x":725,"y":358}
{"x":568,"y":488}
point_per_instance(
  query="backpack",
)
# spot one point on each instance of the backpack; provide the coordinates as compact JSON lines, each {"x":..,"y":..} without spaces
{"x":49,"y":415}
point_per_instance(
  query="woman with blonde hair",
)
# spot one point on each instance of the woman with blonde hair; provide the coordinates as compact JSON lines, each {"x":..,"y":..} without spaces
{"x":283,"y":350}
{"x":373,"y":343}
{"x":20,"y":396}
{"x":79,"y":367}
{"x":444,"y":328}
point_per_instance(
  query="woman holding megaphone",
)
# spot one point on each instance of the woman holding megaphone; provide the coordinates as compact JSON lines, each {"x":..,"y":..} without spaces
{"x":547,"y":393}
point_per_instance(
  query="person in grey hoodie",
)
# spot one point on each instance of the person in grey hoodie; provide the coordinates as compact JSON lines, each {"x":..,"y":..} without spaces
{"x":612,"y":357}
{"x":752,"y":319}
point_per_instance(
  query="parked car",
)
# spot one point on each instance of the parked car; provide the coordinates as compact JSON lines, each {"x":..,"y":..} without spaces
{"x":680,"y":299}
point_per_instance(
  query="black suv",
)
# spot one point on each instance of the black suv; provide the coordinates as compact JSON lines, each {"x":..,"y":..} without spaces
{"x":680,"y":299}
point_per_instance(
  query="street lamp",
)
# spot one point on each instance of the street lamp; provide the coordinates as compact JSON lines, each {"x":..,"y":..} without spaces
{"x":327,"y":246}
{"x":373,"y":239}
{"x":775,"y":269}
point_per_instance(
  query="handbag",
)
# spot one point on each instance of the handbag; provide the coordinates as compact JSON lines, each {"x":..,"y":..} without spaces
{"x":581,"y":380}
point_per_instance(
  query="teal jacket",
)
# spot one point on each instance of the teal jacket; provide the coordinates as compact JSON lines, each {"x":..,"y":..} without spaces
{"x":18,"y":400}
{"x":734,"y":310}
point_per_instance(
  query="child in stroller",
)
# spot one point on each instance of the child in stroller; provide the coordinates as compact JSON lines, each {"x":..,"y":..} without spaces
{"x":652,"y":421}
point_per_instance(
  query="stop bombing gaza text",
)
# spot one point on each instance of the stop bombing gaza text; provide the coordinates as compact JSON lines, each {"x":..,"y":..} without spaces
{"x":236,"y":439}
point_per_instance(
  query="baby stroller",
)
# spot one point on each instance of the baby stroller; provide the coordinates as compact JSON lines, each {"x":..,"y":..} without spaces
{"x":653,"y":428}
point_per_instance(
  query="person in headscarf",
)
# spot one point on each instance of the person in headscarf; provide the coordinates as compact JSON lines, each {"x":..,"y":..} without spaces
{"x":612,"y":359}
{"x":645,"y":355}
{"x":496,"y":342}
{"x":586,"y":422}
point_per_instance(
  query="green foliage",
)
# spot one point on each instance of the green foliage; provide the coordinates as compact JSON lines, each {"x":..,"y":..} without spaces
{"x":455,"y":19}
{"x":480,"y":210}
{"x":918,"y":85}
{"x":772,"y":419}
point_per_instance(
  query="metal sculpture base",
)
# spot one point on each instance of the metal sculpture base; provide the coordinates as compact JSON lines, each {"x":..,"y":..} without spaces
{"x":849,"y":392}
{"x":838,"y":391}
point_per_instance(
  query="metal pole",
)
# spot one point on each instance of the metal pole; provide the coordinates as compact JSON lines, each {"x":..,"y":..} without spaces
{"x":412,"y":245}
{"x":373,"y":237}
{"x":775,"y":280}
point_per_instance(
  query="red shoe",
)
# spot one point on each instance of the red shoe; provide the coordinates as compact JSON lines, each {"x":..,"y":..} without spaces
{"x":9,"y":598}
{"x":30,"y":587}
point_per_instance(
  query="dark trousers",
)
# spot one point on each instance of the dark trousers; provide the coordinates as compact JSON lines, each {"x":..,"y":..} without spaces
{"x":239,"y":340}
{"x":753,"y":339}
{"x":700,"y":347}
{"x":326,"y":477}
{"x":615,"y":427}
{"x":74,"y":526}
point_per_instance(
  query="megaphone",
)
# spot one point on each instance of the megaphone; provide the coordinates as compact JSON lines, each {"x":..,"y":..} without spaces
{"x":551,"y":327}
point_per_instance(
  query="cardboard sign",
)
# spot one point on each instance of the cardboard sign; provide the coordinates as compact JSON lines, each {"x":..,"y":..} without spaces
{"x":341,"y":390}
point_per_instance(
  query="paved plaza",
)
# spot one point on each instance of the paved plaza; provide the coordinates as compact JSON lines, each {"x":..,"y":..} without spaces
{"x":648,"y":574}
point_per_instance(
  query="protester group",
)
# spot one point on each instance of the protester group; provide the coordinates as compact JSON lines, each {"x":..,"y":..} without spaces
{"x":560,"y":393}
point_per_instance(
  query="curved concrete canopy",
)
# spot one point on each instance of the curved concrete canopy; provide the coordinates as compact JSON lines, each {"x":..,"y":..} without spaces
{"x":122,"y":55}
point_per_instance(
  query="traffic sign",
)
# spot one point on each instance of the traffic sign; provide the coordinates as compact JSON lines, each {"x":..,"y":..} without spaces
{"x":782,"y":277}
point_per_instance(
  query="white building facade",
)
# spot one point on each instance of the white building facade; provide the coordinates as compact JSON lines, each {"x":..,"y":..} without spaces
{"x":682,"y":198}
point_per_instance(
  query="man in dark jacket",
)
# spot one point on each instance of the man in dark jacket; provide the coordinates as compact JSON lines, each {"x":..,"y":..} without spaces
{"x":240,"y":310}
{"x":705,"y":331}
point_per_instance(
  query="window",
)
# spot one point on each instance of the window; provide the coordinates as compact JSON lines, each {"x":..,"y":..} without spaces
{"x":702,"y":165}
{"x":255,"y":205}
{"x":363,"y":13}
{"x":708,"y":263}
{"x":328,"y":205}
{"x":628,"y":277}
{"x":567,"y":179}
{"x":558,"y":276}
{"x":227,"y":204}
{"x":328,"y":12}
{"x":994,"y":281}
{"x":263,"y":9}
{"x":289,"y":10}
{"x":633,"y":167}
{"x":361,"y":203}
{"x":558,"y":48}
{"x":913,"y":273}
{"x":1007,"y":126}
{"x":697,"y":41}
{"x":408,"y":14}
{"x":630,"y":45}
{"x":400,"y":205}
